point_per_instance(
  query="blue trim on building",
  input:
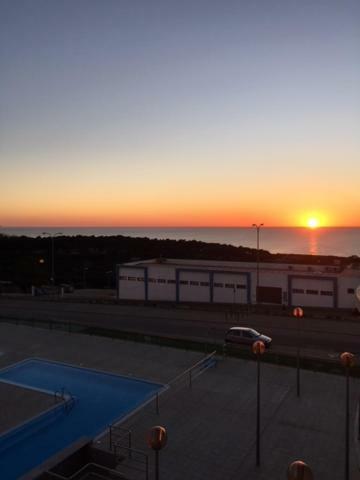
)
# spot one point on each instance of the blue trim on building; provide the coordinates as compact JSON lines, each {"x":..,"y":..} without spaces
{"x":177,"y":286}
{"x":211,"y":287}
{"x":334,"y":281}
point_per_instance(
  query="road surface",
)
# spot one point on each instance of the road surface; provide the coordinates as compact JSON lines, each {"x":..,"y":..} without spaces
{"x":330,"y":336}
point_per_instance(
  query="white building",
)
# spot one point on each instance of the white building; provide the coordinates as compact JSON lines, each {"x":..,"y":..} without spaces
{"x":235,"y":283}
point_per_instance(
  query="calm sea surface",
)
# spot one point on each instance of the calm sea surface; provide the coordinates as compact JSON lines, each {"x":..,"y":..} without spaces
{"x":321,"y":241}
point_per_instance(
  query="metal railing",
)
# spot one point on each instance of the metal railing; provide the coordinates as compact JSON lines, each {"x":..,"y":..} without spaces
{"x":66,"y":397}
{"x":132,"y":460}
{"x":117,"y":436}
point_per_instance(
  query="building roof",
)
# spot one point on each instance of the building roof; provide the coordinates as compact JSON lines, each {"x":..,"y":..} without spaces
{"x":248,"y":266}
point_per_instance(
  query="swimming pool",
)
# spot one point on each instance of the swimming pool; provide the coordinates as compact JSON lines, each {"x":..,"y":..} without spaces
{"x":95,"y":399}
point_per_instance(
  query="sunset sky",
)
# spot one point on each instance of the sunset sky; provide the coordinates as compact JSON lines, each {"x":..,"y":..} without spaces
{"x":174,"y":113}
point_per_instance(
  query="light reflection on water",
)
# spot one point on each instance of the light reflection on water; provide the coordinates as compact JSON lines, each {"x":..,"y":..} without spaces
{"x":313,"y":242}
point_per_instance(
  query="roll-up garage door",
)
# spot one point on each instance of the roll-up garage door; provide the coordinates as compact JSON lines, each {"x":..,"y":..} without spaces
{"x":312,"y":292}
{"x":194,"y":286}
{"x":230,"y":288}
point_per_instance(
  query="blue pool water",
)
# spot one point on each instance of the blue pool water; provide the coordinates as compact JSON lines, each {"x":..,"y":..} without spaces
{"x":99,"y":399}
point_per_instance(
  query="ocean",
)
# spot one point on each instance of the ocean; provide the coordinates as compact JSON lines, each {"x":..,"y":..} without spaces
{"x":340,"y":241}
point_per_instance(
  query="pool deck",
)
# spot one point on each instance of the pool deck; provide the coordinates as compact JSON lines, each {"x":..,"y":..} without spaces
{"x":211,"y":427}
{"x":19,"y":404}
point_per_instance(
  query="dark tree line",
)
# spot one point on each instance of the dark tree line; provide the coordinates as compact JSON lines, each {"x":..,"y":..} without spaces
{"x":91,"y":260}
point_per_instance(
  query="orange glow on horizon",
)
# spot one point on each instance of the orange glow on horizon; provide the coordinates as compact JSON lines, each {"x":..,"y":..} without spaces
{"x":164,"y":220}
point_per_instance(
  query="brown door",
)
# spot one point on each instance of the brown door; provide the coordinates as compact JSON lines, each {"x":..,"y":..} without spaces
{"x":269,"y":295}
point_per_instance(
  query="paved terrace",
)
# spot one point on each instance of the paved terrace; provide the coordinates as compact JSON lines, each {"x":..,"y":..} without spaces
{"x":211,"y":427}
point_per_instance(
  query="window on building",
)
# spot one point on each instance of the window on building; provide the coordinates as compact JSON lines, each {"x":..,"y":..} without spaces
{"x":161,"y":280}
{"x":241,"y":287}
{"x":312,"y":292}
{"x":204,"y":284}
{"x":219,"y":285}
{"x":184,"y":282}
{"x":123,"y":277}
{"x":193,"y":282}
{"x":229,"y":285}
{"x":140,"y":279}
{"x":327,"y":293}
{"x":152,"y":280}
{"x":351,"y":291}
{"x":297,"y":290}
{"x":132,"y":279}
{"x":171,"y":281}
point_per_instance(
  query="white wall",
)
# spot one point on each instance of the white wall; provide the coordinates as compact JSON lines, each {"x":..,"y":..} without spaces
{"x":348,"y":300}
{"x":132,"y":287}
{"x":162,"y":285}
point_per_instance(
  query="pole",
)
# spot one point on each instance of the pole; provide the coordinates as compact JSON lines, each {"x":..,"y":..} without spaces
{"x":52,"y":261}
{"x":258,"y":413}
{"x":347,"y":409}
{"x":298,"y":358}
{"x":358,"y":435}
{"x":156,"y":464}
{"x":257,"y":262}
{"x":257,"y":226}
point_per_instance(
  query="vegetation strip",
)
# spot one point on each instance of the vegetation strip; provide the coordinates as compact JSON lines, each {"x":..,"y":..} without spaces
{"x":307,"y":363}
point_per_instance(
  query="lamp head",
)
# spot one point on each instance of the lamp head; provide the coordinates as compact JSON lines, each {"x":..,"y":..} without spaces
{"x":299,"y":471}
{"x":258,"y":347}
{"x":347,"y":359}
{"x":157,"y":438}
{"x":298,"y":312}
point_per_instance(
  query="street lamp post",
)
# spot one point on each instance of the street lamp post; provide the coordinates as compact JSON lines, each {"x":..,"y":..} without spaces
{"x":157,"y":438}
{"x":347,"y":360}
{"x":257,"y":226}
{"x":258,"y":349}
{"x":299,"y":470}
{"x":298,"y":313}
{"x":52,"y":236}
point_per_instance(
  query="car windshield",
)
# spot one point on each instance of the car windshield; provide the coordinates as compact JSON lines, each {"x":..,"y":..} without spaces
{"x":254,"y":333}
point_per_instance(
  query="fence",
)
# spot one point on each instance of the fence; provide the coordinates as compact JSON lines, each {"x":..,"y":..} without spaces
{"x":120,"y":439}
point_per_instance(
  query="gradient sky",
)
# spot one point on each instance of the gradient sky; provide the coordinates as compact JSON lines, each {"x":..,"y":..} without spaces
{"x":191,"y":112}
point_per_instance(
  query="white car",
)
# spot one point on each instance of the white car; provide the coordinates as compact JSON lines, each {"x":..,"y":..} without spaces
{"x":246,"y":336}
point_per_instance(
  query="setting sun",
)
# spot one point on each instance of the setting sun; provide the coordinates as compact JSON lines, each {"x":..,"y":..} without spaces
{"x":313,"y":222}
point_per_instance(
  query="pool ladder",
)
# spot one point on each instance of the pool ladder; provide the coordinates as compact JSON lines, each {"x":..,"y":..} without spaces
{"x":66,"y":397}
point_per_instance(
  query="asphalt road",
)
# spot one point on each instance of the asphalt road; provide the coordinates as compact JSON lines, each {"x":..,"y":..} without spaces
{"x":326,"y":336}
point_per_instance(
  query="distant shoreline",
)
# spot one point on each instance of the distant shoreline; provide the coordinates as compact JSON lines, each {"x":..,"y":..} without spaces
{"x":91,"y":260}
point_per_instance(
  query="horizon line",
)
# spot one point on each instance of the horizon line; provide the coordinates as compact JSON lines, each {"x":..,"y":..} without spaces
{"x":176,"y":226}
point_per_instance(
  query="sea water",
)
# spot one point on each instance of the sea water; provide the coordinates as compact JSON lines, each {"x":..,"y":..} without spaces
{"x":340,"y":241}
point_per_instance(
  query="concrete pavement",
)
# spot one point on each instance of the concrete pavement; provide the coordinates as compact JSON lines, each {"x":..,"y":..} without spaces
{"x":211,"y":426}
